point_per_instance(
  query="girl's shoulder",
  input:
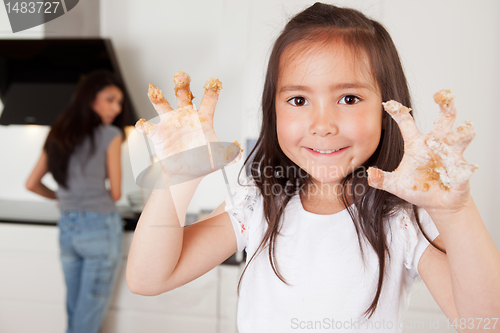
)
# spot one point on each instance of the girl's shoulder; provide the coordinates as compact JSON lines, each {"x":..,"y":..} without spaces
{"x":241,"y":206}
{"x":405,"y":219}
{"x":403,"y":224}
{"x":246,"y":192}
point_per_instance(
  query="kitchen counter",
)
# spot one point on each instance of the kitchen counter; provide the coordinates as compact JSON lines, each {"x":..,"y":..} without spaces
{"x":34,"y":288}
{"x":47,"y":213}
{"x":29,"y":257}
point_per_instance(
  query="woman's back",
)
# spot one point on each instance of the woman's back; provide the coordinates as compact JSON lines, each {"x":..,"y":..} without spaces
{"x":83,"y":149}
{"x":87,"y":173}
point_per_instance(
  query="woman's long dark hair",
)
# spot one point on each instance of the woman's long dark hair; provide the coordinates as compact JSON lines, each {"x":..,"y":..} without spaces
{"x":363,"y":36}
{"x":78,"y":121}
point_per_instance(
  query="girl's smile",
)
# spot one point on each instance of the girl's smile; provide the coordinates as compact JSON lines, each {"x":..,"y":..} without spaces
{"x":328,"y":110}
{"x":326,"y":152}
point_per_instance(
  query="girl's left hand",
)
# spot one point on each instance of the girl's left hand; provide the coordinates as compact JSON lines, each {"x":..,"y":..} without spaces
{"x":433,"y":173}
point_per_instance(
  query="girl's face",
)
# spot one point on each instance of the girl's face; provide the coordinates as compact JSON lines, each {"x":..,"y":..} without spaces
{"x":108,"y":104}
{"x":327,"y":100}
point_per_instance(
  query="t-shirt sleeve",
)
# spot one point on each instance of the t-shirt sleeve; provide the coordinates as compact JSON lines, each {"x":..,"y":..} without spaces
{"x":110,"y":132}
{"x":415,"y":242}
{"x":240,"y":209}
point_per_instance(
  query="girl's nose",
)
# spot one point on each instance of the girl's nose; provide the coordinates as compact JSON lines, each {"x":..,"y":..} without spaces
{"x":324,"y":121}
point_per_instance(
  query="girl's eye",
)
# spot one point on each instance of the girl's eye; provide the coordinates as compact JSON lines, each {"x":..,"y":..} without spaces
{"x":298,"y":101}
{"x":349,"y":100}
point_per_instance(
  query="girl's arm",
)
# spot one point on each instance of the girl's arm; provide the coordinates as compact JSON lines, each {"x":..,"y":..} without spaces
{"x":164,"y":255}
{"x":467,"y":277}
{"x":34,"y":181}
{"x":113,"y":162}
{"x":434,"y":175}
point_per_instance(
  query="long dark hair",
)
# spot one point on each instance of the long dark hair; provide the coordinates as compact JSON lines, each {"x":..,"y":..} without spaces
{"x":373,"y":207}
{"x":79,"y":121}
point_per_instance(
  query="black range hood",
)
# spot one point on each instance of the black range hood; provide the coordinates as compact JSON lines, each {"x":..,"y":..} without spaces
{"x":38,"y":77}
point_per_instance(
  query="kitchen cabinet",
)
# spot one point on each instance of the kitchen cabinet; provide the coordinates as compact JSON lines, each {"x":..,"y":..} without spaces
{"x":32,"y":291}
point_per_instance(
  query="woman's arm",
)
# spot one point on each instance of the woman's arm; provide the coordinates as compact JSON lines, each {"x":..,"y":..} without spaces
{"x":34,"y":181}
{"x":113,"y":162}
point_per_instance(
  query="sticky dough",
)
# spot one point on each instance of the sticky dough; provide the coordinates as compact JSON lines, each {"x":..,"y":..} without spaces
{"x":443,"y":162}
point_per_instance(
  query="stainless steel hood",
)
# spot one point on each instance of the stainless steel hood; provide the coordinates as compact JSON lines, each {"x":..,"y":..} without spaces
{"x":38,"y":77}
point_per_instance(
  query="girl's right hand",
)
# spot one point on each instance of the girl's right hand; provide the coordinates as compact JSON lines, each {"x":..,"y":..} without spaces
{"x":184,"y":139}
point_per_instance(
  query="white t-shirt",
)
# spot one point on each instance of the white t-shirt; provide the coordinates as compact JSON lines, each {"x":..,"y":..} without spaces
{"x":330,"y":286}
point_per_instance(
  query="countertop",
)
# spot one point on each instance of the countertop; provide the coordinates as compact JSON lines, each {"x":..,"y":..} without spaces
{"x":47,"y":213}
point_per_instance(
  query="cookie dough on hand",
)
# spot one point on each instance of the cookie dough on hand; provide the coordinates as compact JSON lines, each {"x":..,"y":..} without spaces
{"x":433,"y":173}
{"x":184,"y":139}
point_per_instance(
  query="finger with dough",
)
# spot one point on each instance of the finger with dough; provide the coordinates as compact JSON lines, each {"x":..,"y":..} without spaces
{"x":159,"y":102}
{"x":145,"y":127}
{"x":382,"y":180}
{"x":446,"y":119}
{"x":461,"y":136}
{"x":207,"y":106}
{"x":182,"y":90}
{"x":401,"y":114}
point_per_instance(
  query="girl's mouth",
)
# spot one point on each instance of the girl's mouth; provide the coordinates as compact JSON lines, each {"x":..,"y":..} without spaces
{"x":319,"y":152}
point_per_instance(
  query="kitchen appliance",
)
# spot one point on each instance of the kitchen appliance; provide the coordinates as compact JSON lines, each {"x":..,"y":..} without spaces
{"x":38,"y":77}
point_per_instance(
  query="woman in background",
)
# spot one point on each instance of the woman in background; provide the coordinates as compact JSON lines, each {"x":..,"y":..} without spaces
{"x":81,"y":151}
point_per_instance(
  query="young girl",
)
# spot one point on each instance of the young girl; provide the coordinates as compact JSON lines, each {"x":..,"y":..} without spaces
{"x":81,"y":151}
{"x":332,"y":241}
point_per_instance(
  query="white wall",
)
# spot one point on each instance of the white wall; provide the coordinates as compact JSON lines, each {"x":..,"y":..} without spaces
{"x":17,"y":148}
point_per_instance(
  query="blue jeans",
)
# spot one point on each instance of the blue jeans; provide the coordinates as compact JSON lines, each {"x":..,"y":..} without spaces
{"x":91,"y":253}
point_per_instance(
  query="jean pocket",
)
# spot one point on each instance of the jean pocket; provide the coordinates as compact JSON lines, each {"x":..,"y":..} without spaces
{"x":93,"y":243}
{"x":100,"y":252}
{"x":102,"y":284}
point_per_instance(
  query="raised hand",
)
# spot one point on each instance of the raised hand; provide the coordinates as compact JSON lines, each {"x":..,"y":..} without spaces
{"x":433,"y":173}
{"x":184,"y":139}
